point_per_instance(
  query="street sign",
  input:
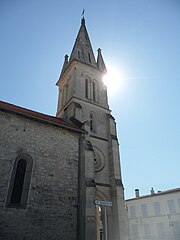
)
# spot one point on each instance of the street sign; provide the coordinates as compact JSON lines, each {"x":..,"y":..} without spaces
{"x":103,"y":203}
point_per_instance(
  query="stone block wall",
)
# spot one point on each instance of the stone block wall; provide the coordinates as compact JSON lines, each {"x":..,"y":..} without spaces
{"x":51,"y":211}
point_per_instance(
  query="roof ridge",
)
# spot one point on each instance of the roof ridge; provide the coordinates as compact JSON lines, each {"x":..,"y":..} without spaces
{"x":9,"y":107}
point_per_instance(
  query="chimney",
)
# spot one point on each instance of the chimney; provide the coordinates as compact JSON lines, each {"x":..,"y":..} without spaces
{"x":152,"y":191}
{"x":137,"y":193}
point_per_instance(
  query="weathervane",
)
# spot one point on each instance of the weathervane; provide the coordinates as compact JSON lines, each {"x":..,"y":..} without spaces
{"x":83,"y":12}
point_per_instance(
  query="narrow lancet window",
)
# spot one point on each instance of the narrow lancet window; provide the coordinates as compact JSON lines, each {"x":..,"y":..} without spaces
{"x":89,"y":56}
{"x":18,"y":182}
{"x":86,"y":88}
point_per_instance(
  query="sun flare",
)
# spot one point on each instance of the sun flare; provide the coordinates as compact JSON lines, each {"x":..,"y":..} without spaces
{"x":112,"y":79}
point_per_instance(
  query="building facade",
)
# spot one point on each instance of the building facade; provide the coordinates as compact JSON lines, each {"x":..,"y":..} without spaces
{"x":60,"y":176}
{"x":155,"y":216}
{"x":38,"y":199}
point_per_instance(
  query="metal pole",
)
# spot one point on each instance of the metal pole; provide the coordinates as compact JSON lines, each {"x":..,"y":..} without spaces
{"x":105,"y":223}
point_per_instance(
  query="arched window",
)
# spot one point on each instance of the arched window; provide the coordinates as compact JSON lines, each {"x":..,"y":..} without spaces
{"x":94,"y":91}
{"x":89,"y":56}
{"x":20,"y":181}
{"x":86,"y":88}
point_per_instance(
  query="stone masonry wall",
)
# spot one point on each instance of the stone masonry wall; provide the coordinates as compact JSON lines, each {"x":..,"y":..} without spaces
{"x":51,"y":211}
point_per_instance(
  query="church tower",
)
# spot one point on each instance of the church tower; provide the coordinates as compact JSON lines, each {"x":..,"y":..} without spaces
{"x":83,"y":101}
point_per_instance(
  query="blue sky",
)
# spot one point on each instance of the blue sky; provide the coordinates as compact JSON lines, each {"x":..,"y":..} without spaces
{"x":141,"y":38}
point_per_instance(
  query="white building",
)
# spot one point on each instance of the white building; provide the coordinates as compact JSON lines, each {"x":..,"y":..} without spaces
{"x":155,"y":216}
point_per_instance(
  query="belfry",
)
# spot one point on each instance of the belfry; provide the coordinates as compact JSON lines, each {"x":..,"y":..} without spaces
{"x":83,"y":101}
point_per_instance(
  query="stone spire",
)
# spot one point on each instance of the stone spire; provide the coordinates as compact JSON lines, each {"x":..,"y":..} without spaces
{"x":82,"y":49}
{"x":100,"y":62}
{"x":64,"y":65}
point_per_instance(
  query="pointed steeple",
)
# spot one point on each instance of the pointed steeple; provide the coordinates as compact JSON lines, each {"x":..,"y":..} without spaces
{"x":82,"y":49}
{"x":64,"y":65}
{"x":100,"y":62}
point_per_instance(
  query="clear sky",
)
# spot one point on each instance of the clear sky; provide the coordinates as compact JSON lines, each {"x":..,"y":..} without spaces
{"x":141,"y":38}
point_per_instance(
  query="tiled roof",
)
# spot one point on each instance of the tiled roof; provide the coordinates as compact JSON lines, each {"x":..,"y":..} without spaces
{"x":156,"y":194}
{"x":37,"y":116}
